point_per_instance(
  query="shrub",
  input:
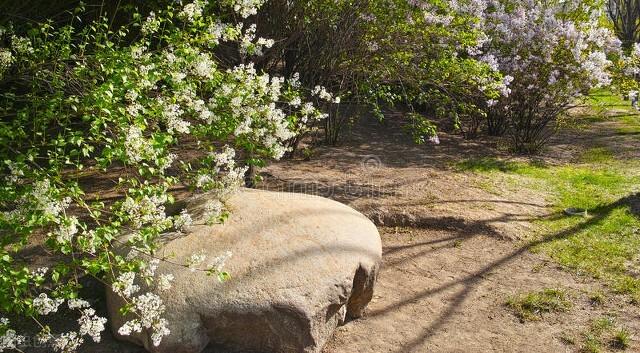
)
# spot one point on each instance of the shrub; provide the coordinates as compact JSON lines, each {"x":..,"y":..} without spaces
{"x":83,"y":99}
{"x":552,"y":53}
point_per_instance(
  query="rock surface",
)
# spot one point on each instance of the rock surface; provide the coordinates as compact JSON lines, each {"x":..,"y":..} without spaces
{"x":301,"y":264}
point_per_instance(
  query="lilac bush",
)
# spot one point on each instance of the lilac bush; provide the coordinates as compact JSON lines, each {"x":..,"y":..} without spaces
{"x":552,"y":53}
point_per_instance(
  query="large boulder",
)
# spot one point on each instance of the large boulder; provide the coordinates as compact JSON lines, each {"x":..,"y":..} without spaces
{"x":301,"y":265}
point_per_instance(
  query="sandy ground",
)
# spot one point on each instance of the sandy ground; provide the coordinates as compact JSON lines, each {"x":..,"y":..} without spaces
{"x":437,"y":294}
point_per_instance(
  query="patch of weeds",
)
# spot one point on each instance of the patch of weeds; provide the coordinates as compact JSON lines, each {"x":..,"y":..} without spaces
{"x":308,"y":153}
{"x":605,"y":333}
{"x":597,"y":298}
{"x":602,"y":325}
{"x":627,"y":284}
{"x":621,"y":339}
{"x":591,"y":344}
{"x":531,"y":306}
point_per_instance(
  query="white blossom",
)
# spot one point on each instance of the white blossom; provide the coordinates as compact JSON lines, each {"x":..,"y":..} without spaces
{"x":204,"y":67}
{"x":66,"y":230}
{"x":151,"y":24}
{"x":91,"y":324}
{"x":195,"y":260}
{"x":191,"y":11}
{"x":246,"y":8}
{"x":218,"y":262}
{"x":40,"y":271}
{"x":138,"y":147}
{"x":77,"y":304}
{"x":164,"y":281}
{"x":183,"y":220}
{"x":149,"y":309}
{"x":6,"y":59}
{"x":21,"y":45}
{"x":322,"y":93}
{"x":145,"y":210}
{"x":67,"y":342}
{"x":44,"y":200}
{"x":10,"y":340}
{"x":149,"y":268}
{"x":213,"y":209}
{"x":44,"y":305}
{"x":124,"y":285}
{"x":226,"y":157}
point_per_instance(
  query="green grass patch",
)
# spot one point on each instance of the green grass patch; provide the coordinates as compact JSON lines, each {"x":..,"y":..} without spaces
{"x":605,"y":99}
{"x":597,"y":155}
{"x":604,"y":333}
{"x":604,"y":243}
{"x":606,"y":105}
{"x":531,"y":306}
{"x":631,"y":125}
{"x":487,"y":164}
{"x":579,"y":186}
{"x":587,"y":188}
{"x":621,"y":339}
{"x":591,"y":344}
{"x":597,"y":298}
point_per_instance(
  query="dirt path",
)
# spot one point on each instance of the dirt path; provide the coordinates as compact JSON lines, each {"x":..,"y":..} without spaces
{"x":455,"y":248}
{"x":436,"y":294}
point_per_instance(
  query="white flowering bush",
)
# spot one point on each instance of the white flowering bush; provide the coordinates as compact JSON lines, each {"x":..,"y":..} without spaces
{"x":552,"y":53}
{"x":92,"y":101}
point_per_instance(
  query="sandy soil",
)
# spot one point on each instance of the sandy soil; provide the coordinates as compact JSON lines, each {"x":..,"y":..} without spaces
{"x":445,"y":291}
